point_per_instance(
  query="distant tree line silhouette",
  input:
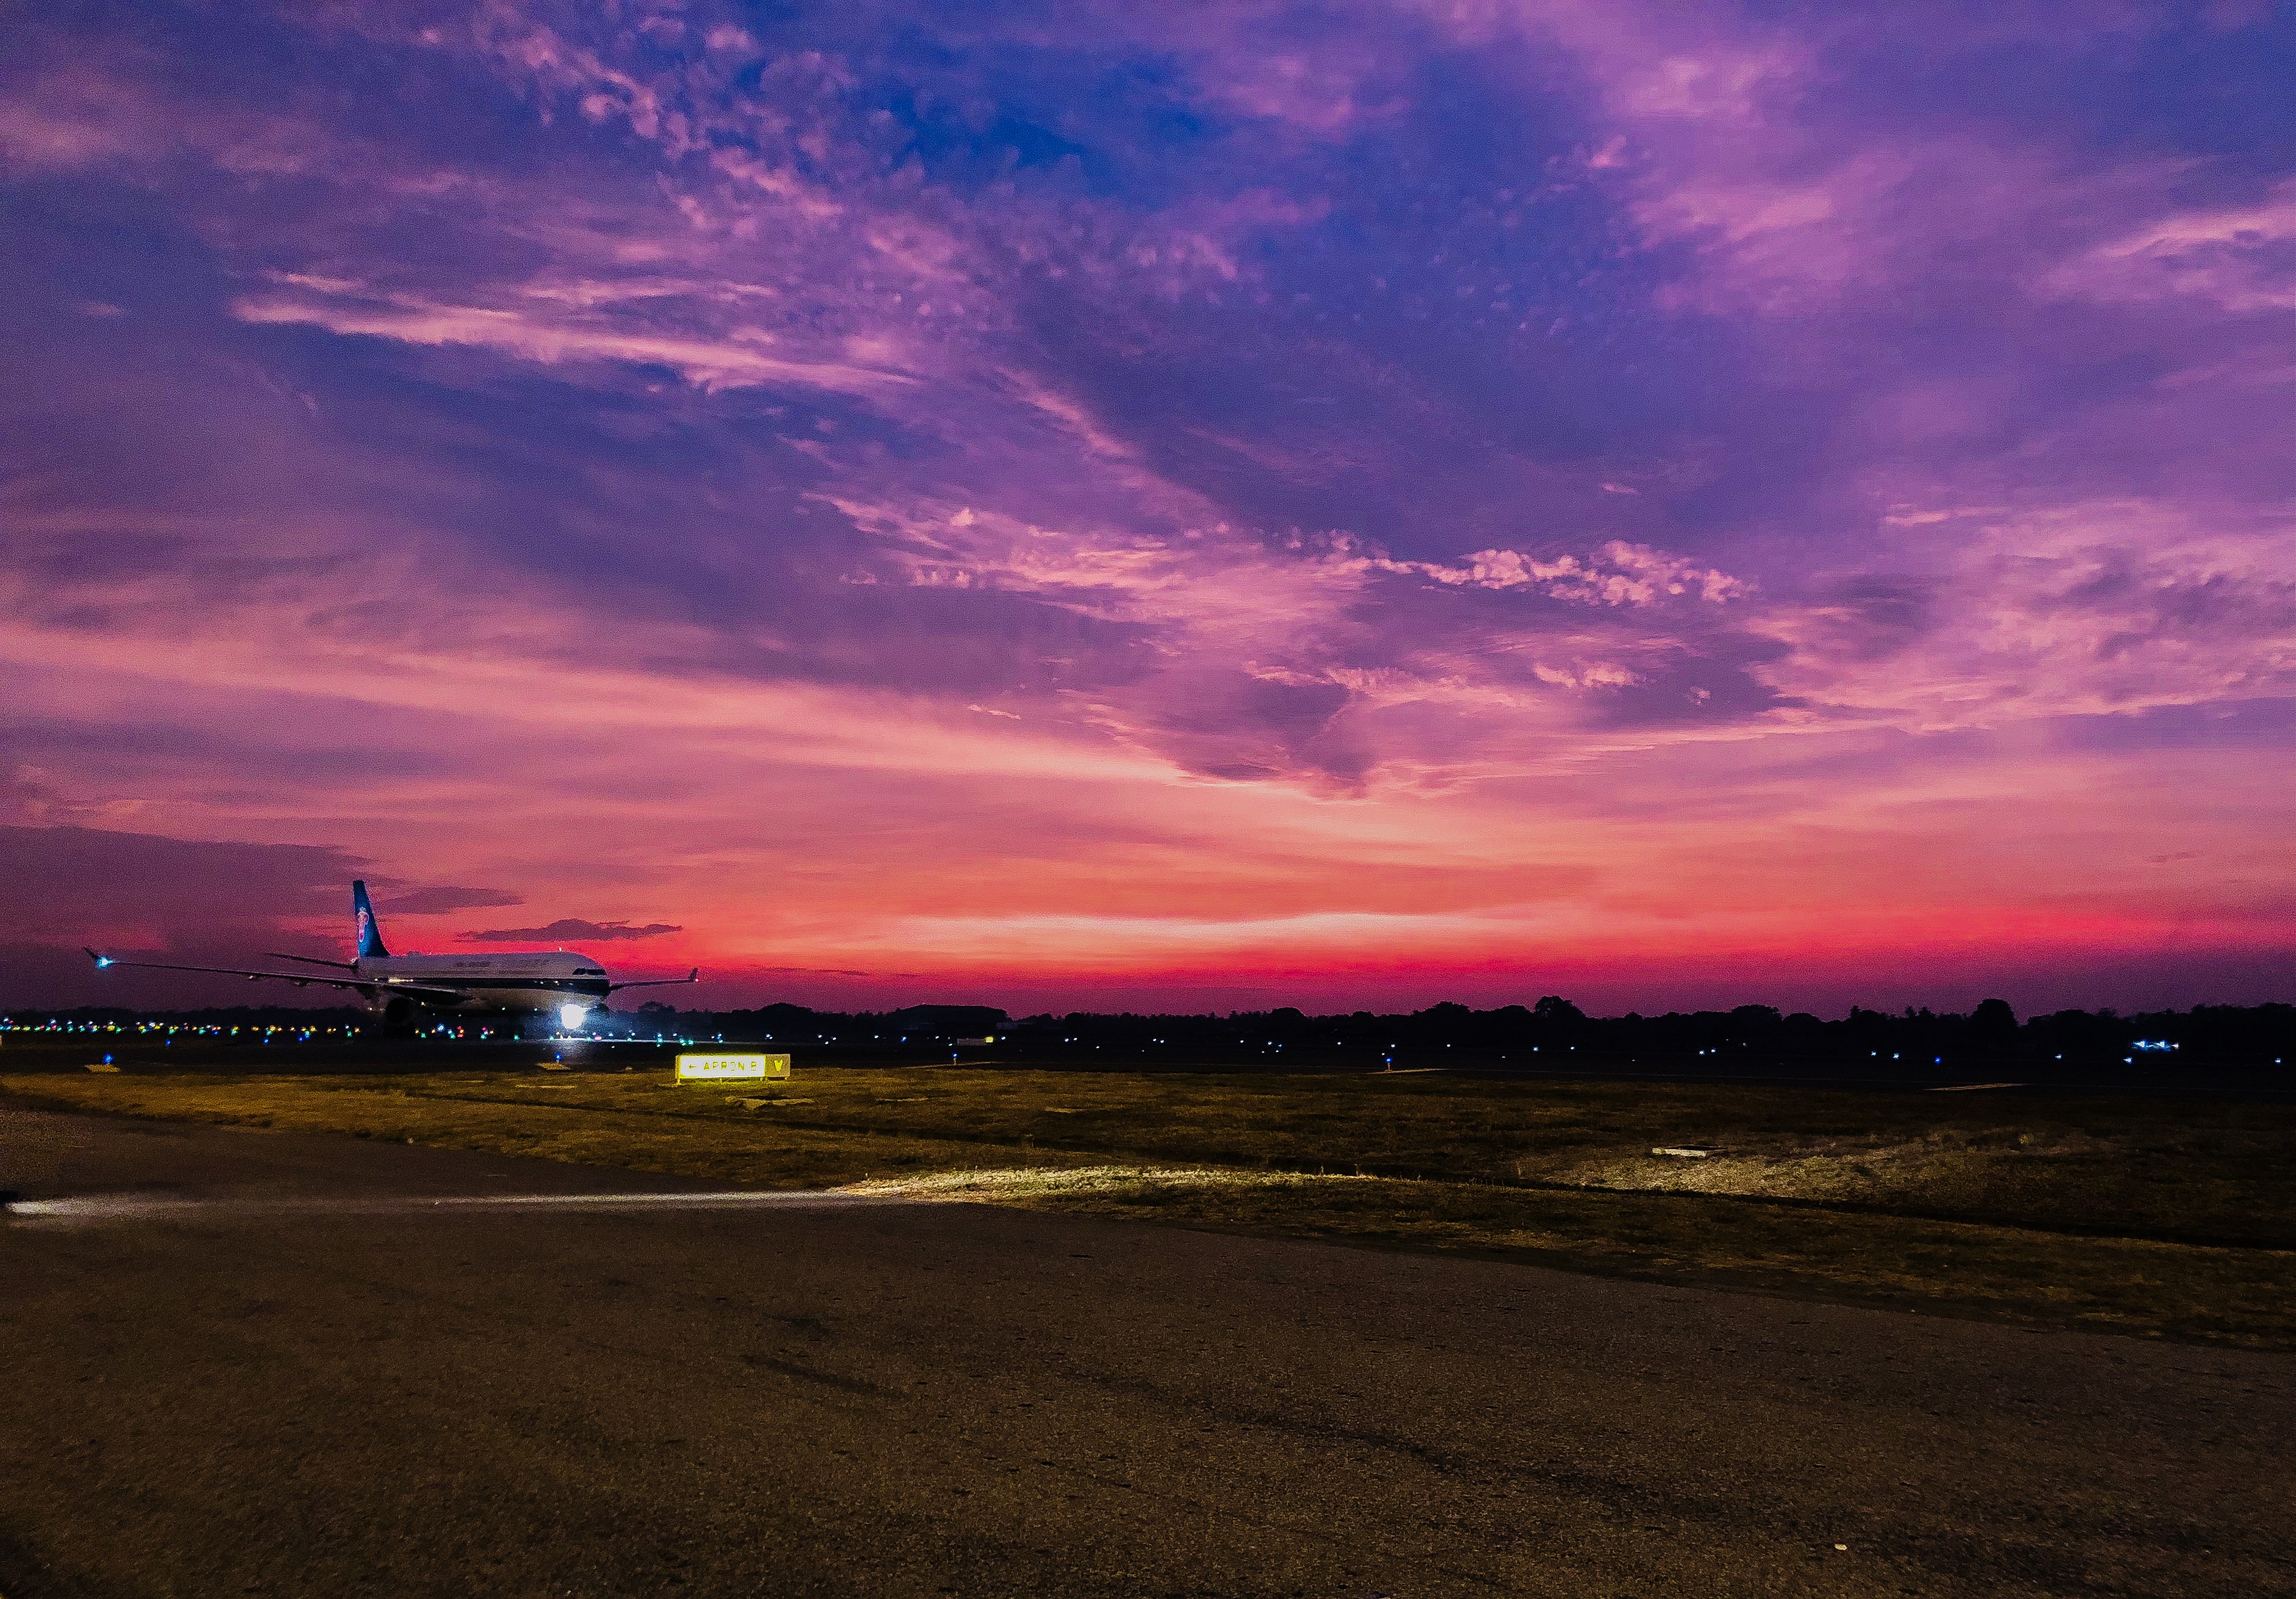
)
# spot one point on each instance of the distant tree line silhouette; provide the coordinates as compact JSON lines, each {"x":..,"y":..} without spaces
{"x":1553,"y":1032}
{"x":1554,"y":1027}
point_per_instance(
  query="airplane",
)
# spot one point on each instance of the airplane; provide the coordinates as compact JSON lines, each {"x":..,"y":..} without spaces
{"x":558,"y":983}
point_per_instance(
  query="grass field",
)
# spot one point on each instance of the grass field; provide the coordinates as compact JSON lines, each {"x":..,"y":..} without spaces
{"x":2149,"y":1218}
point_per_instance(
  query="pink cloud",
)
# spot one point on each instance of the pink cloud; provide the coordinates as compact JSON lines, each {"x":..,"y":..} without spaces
{"x":2237,"y":258}
{"x":553,"y":335}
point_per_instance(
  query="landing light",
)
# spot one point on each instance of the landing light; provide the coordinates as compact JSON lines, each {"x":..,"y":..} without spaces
{"x":570,"y":1016}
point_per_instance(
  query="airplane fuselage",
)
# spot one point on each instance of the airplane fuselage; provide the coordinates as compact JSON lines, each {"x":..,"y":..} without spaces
{"x":525,"y":982}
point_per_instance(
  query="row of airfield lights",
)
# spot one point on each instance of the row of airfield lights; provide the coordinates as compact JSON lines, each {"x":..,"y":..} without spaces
{"x":169,"y":1031}
{"x":166,"y":1032}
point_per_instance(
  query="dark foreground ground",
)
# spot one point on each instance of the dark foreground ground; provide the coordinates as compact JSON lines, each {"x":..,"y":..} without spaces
{"x":329,"y":1384}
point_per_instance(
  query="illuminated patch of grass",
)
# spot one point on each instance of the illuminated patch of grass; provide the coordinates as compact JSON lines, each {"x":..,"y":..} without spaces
{"x":2240,"y":1296}
{"x":2201,"y":1171}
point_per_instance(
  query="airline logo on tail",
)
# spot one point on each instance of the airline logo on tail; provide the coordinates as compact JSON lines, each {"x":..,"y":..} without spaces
{"x":367,"y":938}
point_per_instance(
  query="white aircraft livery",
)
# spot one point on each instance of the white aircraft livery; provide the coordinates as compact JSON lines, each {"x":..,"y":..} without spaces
{"x":559,"y":983}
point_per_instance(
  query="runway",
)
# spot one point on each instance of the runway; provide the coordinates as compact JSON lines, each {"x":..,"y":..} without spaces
{"x":251,"y":1362}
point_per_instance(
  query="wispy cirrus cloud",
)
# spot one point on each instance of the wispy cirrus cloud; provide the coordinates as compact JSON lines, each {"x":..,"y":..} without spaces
{"x":557,"y":332}
{"x":2237,"y":258}
{"x":568,"y":928}
{"x":433,"y":902}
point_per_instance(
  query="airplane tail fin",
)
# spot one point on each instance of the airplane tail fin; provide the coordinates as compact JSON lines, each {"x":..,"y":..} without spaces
{"x":367,"y":935}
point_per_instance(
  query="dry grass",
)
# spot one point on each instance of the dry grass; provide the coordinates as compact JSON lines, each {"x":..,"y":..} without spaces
{"x":2205,"y":1172}
{"x":1954,"y":1202}
{"x":2239,"y":1296}
{"x":699,"y":1136}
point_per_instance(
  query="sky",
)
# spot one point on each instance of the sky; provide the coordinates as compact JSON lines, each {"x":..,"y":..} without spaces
{"x":1078,"y":505}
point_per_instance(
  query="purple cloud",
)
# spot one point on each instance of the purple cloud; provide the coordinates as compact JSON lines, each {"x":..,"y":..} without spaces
{"x":62,"y":888}
{"x":432,"y":902}
{"x":568,"y":927}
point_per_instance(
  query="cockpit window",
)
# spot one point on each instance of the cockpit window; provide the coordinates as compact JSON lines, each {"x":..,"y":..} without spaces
{"x":589,"y":972}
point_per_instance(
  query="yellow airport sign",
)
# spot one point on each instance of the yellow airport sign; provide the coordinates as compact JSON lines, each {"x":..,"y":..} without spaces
{"x":733,"y":1069}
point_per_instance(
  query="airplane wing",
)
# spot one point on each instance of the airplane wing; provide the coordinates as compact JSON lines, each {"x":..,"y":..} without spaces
{"x":311,"y":960}
{"x":300,"y":979}
{"x":693,"y":976}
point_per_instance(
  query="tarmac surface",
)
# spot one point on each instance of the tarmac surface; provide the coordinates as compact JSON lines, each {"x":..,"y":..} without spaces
{"x":249,"y":1363}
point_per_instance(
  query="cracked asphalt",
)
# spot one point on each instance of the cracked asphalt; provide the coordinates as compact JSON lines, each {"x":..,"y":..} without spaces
{"x":249,"y":1363}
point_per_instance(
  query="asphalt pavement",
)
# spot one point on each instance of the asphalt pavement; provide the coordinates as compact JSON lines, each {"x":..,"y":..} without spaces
{"x":250,"y":1363}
